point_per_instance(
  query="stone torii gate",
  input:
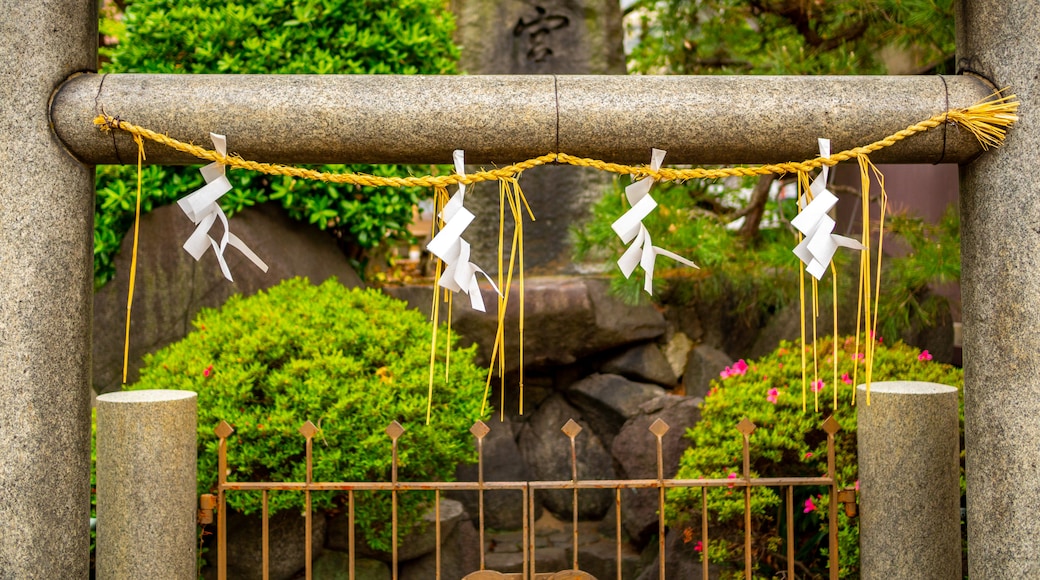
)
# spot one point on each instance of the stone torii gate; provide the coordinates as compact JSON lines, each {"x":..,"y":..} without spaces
{"x":48,"y":149}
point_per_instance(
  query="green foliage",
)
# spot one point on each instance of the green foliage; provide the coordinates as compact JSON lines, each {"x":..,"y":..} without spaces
{"x":788,"y":442}
{"x":350,"y":361}
{"x":788,"y":36}
{"x":274,"y":36}
{"x":933,"y":256}
{"x":755,"y":277}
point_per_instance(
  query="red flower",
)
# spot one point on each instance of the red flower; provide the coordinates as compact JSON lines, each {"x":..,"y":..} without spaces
{"x":208,"y":371}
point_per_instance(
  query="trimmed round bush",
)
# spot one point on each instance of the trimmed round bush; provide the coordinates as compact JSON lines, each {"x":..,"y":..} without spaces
{"x":349,"y":361}
{"x":787,"y":442}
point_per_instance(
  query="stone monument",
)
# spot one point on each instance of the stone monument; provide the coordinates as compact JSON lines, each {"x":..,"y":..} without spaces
{"x":558,"y":37}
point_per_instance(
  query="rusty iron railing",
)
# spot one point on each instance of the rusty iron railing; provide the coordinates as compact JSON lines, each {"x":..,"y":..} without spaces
{"x":571,"y":429}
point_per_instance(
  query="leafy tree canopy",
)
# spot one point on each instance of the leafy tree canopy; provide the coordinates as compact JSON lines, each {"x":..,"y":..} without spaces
{"x":789,"y":36}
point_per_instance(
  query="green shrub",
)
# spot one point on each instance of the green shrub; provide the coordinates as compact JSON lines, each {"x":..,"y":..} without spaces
{"x":787,"y":443}
{"x":274,"y":36}
{"x":350,"y":361}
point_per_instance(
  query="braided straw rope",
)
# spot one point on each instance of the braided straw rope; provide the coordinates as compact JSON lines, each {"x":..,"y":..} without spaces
{"x":987,"y":120}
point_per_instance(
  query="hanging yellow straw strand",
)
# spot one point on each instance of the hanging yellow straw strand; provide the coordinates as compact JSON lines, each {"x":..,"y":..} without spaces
{"x":987,"y":121}
{"x":877,"y":283}
{"x":834,"y":337}
{"x":133,"y":255}
{"x":863,"y":293}
{"x":440,"y":196}
{"x":803,"y":180}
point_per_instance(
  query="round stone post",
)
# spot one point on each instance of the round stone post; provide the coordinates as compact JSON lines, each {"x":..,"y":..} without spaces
{"x":46,"y":296}
{"x":909,"y":447}
{"x":146,"y":502}
{"x":1000,"y":285}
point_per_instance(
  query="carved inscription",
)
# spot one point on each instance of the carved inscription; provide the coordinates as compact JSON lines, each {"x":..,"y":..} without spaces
{"x":537,"y":30}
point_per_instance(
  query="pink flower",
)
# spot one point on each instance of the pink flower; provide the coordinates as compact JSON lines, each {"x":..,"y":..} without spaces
{"x":857,"y":485}
{"x":732,"y":475}
{"x":817,"y":386}
{"x":208,"y":371}
{"x":808,"y":455}
{"x":809,"y":506}
{"x":739,"y":368}
{"x":773,"y":395}
{"x":846,"y":379}
{"x":858,"y":356}
{"x":699,"y":546}
{"x":925,"y":355}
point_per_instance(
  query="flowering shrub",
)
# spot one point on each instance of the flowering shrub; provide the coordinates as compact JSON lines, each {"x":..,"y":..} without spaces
{"x":788,"y":442}
{"x":350,"y":361}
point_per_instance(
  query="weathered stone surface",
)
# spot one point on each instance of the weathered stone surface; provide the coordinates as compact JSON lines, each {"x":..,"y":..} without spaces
{"x":565,"y":319}
{"x":46,"y":219}
{"x":172,"y":287}
{"x":999,"y":249}
{"x":607,"y":401}
{"x":418,"y":543}
{"x":146,"y":485}
{"x":703,"y":365}
{"x":333,"y":565}
{"x":677,"y":350}
{"x":680,"y":560}
{"x":599,"y":558}
{"x":503,"y":509}
{"x":645,"y":363}
{"x":459,"y":556}
{"x":516,"y":37}
{"x":551,"y":559}
{"x":907,"y":435}
{"x":547,"y":453}
{"x":286,"y":553}
{"x":634,"y":450}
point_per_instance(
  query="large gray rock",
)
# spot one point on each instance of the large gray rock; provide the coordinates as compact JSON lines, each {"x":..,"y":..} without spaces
{"x":600,"y":559}
{"x":607,"y":401}
{"x":635,"y":451}
{"x":681,"y":560}
{"x":644,"y":363}
{"x":332,"y":565}
{"x":503,"y":509}
{"x":459,"y":556}
{"x":547,"y":37}
{"x":286,"y":553}
{"x":565,"y":320}
{"x":415,"y":544}
{"x":547,"y":453}
{"x":172,"y":287}
{"x":702,"y":366}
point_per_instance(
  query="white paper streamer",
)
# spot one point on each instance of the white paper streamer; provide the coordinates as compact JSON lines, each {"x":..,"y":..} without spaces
{"x":202,"y":209}
{"x":460,"y":275}
{"x":629,"y":227}
{"x":817,"y":249}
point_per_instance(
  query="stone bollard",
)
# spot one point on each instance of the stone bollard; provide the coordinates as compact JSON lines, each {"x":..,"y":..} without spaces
{"x":909,"y":447}
{"x":146,"y":496}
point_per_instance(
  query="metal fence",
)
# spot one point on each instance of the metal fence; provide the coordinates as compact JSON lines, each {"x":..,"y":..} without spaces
{"x":528,"y":488}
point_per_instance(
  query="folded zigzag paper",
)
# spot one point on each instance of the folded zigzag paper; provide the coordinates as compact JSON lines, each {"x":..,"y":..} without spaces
{"x":202,"y":209}
{"x":629,"y":227}
{"x":460,"y":274}
{"x":817,"y":249}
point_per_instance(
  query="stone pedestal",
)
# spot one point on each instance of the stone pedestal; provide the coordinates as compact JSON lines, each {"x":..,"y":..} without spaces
{"x":909,"y":447}
{"x":146,"y":504}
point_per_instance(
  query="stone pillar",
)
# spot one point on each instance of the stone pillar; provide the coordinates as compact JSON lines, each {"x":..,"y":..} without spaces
{"x":146,"y":485}
{"x":909,"y":456}
{"x":1000,"y":285}
{"x":46,"y":291}
{"x":520,"y":37}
